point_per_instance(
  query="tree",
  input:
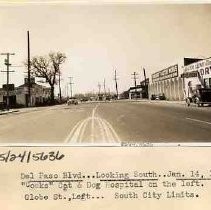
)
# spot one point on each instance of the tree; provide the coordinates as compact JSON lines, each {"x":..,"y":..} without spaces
{"x":48,"y":67}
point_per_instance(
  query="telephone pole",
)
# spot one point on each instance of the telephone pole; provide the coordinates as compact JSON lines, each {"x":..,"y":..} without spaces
{"x":60,"y":91}
{"x":29,"y":72}
{"x":104,"y":85}
{"x":99,"y":88}
{"x":135,"y":74}
{"x":116,"y":85}
{"x":8,"y":64}
{"x":67,"y":90}
{"x":71,"y":88}
{"x":145,"y":83}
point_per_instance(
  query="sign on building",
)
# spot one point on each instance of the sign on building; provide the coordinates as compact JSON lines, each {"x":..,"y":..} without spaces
{"x":168,"y":73}
{"x":203,"y":67}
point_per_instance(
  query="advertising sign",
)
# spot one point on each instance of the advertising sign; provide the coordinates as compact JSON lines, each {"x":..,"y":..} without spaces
{"x":203,"y":67}
{"x":165,"y":74}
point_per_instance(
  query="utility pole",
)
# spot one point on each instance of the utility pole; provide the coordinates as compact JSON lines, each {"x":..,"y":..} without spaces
{"x":145,"y":83}
{"x":104,"y":85}
{"x":116,"y":85}
{"x":29,"y":72}
{"x":8,"y":64}
{"x":134,"y":78}
{"x":71,"y":88}
{"x":67,"y":90}
{"x":60,"y":92}
{"x":99,"y":88}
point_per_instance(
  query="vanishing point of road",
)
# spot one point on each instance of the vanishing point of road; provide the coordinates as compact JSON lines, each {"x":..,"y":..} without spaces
{"x":108,"y":122}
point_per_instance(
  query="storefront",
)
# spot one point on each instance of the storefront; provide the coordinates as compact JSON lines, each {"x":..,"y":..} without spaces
{"x":18,"y":96}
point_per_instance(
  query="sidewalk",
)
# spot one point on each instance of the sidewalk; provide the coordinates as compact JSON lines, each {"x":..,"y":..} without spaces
{"x":173,"y":103}
{"x":154,"y":101}
{"x":28,"y":109}
{"x":8,"y":112}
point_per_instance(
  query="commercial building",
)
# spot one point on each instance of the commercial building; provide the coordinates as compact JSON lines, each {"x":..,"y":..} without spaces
{"x":140,"y":91}
{"x":19,"y":96}
{"x":170,"y":81}
{"x":203,"y":67}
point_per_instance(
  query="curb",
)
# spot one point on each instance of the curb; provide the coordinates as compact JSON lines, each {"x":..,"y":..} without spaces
{"x":8,"y":112}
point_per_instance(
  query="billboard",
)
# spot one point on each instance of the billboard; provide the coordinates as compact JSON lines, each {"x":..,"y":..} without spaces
{"x":203,"y":67}
{"x":165,"y":74}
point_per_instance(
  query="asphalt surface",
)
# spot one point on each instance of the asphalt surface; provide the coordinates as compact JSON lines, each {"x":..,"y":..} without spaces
{"x":111,"y":122}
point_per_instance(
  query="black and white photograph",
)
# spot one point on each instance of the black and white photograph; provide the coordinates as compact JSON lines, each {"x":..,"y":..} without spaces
{"x":73,"y":73}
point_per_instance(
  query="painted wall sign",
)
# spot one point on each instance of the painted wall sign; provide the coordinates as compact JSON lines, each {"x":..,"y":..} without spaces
{"x":165,"y":74}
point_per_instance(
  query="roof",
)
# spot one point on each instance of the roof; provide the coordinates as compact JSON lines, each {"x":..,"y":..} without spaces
{"x":137,"y":87}
{"x":33,"y":85}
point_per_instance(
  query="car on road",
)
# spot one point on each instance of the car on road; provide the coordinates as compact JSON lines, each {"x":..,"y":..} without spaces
{"x":158,"y":97}
{"x":154,"y":97}
{"x":72,"y":101}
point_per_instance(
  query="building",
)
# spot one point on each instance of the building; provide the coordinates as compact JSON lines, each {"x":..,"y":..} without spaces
{"x":135,"y":92}
{"x":145,"y":88}
{"x":18,"y":96}
{"x":203,"y":67}
{"x":11,"y":93}
{"x":138,"y":92}
{"x":169,"y":81}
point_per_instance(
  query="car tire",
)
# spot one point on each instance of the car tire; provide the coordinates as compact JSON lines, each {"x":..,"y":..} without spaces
{"x":188,"y":101}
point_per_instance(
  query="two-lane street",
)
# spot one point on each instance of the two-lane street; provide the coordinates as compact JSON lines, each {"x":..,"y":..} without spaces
{"x":110,"y":122}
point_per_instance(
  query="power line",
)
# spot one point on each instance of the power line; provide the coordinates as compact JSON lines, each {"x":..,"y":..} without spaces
{"x":8,"y":64}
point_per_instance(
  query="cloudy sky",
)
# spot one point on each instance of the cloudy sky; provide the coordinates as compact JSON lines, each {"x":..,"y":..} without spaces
{"x":97,"y":38}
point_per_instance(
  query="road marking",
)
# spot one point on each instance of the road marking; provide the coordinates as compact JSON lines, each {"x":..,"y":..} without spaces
{"x":201,"y":121}
{"x":98,"y":126}
{"x":105,"y":130}
{"x":82,"y":130}
{"x":102,"y":130}
{"x":113,"y":132}
{"x":92,"y":129}
{"x":72,"y":132}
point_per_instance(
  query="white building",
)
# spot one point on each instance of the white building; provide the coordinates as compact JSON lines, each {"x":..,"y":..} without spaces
{"x":19,"y":96}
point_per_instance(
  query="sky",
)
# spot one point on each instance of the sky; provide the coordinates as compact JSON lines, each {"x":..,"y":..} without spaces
{"x":99,"y":38}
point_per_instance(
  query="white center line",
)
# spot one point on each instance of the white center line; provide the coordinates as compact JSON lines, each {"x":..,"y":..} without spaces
{"x":201,"y":121}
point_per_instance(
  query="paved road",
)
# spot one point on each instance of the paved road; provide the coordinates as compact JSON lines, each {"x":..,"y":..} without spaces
{"x":108,"y":123}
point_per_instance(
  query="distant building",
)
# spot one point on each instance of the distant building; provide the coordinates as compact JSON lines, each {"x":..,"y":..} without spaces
{"x":138,"y":92}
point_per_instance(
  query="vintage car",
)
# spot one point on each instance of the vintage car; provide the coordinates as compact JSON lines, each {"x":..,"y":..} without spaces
{"x":72,"y":101}
{"x":202,"y":96}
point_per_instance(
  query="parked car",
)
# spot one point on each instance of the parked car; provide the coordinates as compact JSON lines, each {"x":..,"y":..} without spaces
{"x":158,"y":97}
{"x":72,"y":101}
{"x":162,"y":97}
{"x":154,"y":97}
